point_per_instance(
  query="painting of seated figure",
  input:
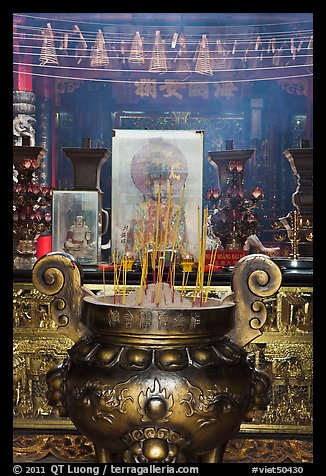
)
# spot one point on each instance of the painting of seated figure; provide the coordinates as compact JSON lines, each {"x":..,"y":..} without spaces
{"x":157,"y":182}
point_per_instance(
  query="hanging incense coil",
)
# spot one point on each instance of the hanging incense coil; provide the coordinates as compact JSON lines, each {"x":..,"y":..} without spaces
{"x":203,"y":61}
{"x":48,"y":54}
{"x":137,"y":51}
{"x":99,"y":55}
{"x":158,"y":61}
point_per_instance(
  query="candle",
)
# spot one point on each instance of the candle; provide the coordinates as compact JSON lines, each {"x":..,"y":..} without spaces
{"x":187,"y":263}
{"x":43,"y":245}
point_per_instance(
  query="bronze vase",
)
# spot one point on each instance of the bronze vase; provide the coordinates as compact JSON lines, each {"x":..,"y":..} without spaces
{"x":157,"y":385}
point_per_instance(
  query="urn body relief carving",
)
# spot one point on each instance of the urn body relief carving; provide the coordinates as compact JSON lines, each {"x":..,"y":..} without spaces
{"x":151,"y":384}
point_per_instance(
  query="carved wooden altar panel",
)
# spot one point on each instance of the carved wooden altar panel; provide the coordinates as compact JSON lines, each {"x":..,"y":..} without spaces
{"x":77,"y":448}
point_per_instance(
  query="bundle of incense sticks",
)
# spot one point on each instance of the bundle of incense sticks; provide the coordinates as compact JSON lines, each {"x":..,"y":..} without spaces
{"x":175,"y":234}
{"x":161,"y":262}
{"x":157,"y":234}
{"x":116,"y":276}
{"x":211,"y":269}
{"x":124,"y":280}
{"x":158,"y":255}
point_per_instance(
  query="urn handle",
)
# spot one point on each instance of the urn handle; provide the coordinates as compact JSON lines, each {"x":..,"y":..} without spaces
{"x":254,"y":277}
{"x":58,"y":274}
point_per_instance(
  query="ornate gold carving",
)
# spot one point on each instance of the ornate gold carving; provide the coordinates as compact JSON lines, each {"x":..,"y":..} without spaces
{"x":63,"y":447}
{"x":290,"y":367}
{"x":269,"y":451}
{"x":33,"y":357}
{"x":290,"y":313}
{"x":67,"y":448}
{"x":295,"y":311}
{"x":31,"y":309}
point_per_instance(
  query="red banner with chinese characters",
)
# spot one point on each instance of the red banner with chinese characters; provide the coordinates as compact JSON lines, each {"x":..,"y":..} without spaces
{"x":225,"y":257}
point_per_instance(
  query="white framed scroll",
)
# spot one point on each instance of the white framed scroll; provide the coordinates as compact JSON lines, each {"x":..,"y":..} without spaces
{"x":145,"y":162}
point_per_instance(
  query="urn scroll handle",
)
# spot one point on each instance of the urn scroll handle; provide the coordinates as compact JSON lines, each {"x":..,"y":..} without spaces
{"x":254,"y":277}
{"x":59,"y":275}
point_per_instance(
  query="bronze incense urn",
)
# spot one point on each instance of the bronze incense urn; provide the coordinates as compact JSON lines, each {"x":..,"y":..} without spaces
{"x":158,"y":384}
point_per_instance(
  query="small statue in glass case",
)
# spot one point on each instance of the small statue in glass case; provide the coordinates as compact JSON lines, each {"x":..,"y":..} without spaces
{"x":78,"y":238}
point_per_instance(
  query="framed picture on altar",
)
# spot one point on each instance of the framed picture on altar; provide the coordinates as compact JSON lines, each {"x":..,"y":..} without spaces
{"x":147,"y":164}
{"x":75,"y":224}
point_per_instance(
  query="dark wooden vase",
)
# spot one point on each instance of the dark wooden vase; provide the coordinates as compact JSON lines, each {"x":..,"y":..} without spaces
{"x":157,"y":385}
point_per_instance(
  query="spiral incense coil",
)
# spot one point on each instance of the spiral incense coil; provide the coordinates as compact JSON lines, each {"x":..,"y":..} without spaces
{"x":158,"y":61}
{"x":48,"y":54}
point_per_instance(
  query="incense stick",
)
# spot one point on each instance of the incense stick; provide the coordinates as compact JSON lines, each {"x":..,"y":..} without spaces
{"x":157,"y":220}
{"x":167,"y":215}
{"x":199,"y":253}
{"x":203,"y":254}
{"x":162,"y":258}
{"x":211,"y":269}
{"x":124,"y":279}
{"x":175,"y":234}
{"x":103,"y":273}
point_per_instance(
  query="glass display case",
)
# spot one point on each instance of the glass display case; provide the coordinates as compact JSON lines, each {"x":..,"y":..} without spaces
{"x":77,"y":225}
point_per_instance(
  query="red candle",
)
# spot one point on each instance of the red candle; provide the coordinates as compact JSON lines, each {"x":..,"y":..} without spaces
{"x":43,"y":245}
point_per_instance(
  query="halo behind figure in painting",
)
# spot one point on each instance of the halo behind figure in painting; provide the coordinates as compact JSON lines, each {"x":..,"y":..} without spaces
{"x":159,"y":171}
{"x":158,"y":160}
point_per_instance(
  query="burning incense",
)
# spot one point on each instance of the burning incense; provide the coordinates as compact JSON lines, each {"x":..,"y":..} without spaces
{"x":114,"y":275}
{"x":199,"y":251}
{"x":144,"y":264}
{"x":124,"y":279}
{"x":167,"y":215}
{"x":203,"y":252}
{"x":162,"y":258}
{"x":175,"y":234}
{"x":157,"y":221}
{"x":210,"y":271}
